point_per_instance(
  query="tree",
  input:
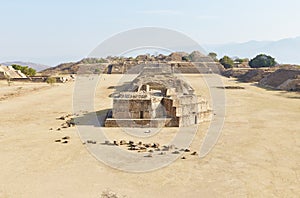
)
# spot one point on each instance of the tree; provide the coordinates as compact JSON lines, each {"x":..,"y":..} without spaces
{"x":239,"y":60}
{"x":226,"y":62}
{"x":262,"y":60}
{"x":25,"y":70}
{"x":51,"y":80}
{"x":213,"y":55}
{"x":31,"y":72}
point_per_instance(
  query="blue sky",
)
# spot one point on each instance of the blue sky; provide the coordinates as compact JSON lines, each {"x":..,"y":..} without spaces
{"x":55,"y":31}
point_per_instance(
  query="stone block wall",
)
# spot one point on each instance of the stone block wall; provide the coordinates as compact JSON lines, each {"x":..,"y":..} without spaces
{"x":132,"y":108}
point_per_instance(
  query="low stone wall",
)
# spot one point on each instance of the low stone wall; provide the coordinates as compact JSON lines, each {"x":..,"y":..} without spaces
{"x":39,"y":79}
{"x":20,"y":79}
{"x":137,"y":123}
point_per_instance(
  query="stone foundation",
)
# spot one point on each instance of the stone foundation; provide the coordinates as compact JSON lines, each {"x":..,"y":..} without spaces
{"x":137,"y":123}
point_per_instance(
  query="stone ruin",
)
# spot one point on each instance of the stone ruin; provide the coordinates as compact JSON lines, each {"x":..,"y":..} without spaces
{"x":157,"y":98}
{"x":11,"y":73}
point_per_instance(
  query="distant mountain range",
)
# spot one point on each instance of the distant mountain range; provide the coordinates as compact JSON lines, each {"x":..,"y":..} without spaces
{"x":284,"y":51}
{"x":38,"y":67}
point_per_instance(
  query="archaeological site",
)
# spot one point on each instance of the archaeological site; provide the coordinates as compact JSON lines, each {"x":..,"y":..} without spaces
{"x":157,"y":97}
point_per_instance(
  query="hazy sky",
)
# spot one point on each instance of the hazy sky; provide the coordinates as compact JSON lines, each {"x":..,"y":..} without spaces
{"x":56,"y":31}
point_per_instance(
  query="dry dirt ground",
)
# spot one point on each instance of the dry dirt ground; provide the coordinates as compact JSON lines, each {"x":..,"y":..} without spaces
{"x":257,"y":154}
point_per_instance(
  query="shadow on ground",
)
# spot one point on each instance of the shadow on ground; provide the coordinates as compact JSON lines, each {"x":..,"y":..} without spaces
{"x":96,"y":118}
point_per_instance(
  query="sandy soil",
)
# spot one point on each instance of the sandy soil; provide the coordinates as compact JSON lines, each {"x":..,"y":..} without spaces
{"x":257,"y":154}
{"x":16,"y":89}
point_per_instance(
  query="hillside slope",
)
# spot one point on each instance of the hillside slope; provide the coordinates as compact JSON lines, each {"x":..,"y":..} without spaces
{"x":284,"y":50}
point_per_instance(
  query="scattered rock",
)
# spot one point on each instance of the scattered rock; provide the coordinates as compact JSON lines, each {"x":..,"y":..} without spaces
{"x":71,"y":122}
{"x":149,"y":155}
{"x":142,"y":150}
{"x":109,"y":194}
{"x":58,"y":129}
{"x":61,"y":118}
{"x":91,"y":142}
{"x":175,"y":152}
{"x":165,"y":148}
{"x":66,"y":138}
{"x":194,"y":153}
{"x":65,"y":125}
{"x":51,"y":129}
{"x":231,"y":87}
{"x":57,"y":140}
{"x":183,"y":157}
{"x":65,"y":142}
{"x":133,"y":148}
{"x":187,"y":150}
{"x":123,"y":142}
{"x":147,"y":145}
{"x":155,"y":145}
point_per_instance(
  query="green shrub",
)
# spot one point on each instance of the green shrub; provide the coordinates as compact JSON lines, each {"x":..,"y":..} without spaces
{"x":51,"y":80}
{"x":262,"y":60}
{"x":227,"y":62}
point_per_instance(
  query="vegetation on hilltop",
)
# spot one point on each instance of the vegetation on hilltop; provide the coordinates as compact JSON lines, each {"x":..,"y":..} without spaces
{"x":98,"y":65}
{"x":92,"y":61}
{"x":227,"y":62}
{"x":262,"y":60}
{"x":213,"y":55}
